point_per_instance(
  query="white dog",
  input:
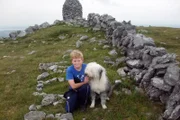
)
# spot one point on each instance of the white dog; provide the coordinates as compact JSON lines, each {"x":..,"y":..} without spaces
{"x":99,"y":83}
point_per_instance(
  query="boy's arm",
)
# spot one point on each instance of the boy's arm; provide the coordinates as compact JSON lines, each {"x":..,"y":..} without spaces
{"x":77,"y":85}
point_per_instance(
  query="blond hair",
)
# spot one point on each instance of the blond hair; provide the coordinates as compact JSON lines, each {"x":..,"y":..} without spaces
{"x":76,"y":54}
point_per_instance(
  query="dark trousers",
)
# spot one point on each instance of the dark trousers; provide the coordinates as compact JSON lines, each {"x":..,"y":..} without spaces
{"x":77,"y":98}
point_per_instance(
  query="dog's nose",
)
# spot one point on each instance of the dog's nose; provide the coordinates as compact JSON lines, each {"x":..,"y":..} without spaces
{"x":86,"y":75}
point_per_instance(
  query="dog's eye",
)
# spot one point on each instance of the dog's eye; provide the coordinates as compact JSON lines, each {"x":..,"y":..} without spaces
{"x":86,"y":74}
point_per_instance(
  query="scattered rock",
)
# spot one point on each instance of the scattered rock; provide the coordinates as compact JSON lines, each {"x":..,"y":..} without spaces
{"x":84,"y":38}
{"x":121,"y":72}
{"x":35,"y":115}
{"x":113,"y":52}
{"x":43,"y":75}
{"x":32,"y":52}
{"x":49,"y":99}
{"x":78,"y":44}
{"x":32,"y":107}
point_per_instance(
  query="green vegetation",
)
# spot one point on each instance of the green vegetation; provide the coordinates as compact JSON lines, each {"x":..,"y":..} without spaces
{"x":166,"y":37}
{"x":17,"y":88}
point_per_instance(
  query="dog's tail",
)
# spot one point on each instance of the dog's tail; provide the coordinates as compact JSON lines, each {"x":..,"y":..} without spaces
{"x":113,"y":87}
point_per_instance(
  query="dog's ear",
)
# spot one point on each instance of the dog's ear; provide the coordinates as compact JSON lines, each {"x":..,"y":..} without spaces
{"x":100,"y":73}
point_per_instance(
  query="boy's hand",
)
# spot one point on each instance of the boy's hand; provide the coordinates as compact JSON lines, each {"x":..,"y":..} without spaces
{"x":86,"y":80}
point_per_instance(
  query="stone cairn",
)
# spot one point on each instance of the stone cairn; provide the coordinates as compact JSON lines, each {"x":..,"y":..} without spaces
{"x":72,"y":9}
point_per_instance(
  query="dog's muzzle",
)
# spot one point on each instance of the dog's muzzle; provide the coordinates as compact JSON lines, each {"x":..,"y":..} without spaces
{"x":90,"y":78}
{"x":86,"y":74}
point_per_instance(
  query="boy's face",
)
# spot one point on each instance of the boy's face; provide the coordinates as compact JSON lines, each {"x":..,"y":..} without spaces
{"x":77,"y":62}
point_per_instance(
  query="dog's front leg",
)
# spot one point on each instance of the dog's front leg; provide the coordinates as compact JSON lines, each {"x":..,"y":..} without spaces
{"x":93,"y":99}
{"x":103,"y":96}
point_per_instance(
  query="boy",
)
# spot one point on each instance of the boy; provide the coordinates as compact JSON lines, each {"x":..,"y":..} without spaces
{"x":79,"y":89}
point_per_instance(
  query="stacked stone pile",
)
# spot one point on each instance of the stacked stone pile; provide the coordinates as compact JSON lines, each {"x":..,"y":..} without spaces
{"x":78,"y":22}
{"x":114,"y":30}
{"x":72,"y":9}
{"x":104,"y":22}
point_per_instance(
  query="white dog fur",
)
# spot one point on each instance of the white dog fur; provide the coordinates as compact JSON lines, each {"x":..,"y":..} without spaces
{"x":99,"y":83}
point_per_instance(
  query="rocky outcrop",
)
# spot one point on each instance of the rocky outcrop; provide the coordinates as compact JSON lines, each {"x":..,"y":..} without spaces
{"x":15,"y":34}
{"x":29,"y":30}
{"x":72,"y":9}
{"x":36,"y":27}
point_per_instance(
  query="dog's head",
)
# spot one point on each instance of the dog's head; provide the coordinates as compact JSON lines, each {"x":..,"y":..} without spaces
{"x":94,"y":70}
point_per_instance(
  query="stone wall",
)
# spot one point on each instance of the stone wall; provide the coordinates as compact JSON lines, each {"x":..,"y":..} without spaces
{"x":153,"y":69}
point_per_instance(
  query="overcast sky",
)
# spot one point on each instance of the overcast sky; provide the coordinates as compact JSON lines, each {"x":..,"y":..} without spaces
{"x":23,"y":13}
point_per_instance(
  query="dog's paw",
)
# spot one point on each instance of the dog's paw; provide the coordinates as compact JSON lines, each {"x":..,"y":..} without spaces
{"x":107,"y":98}
{"x":92,"y":105}
{"x":104,"y":106}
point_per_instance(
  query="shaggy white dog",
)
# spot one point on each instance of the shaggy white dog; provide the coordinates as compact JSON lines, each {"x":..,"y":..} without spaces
{"x":99,"y":83}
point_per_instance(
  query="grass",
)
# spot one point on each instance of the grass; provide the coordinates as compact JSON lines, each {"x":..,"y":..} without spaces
{"x":17,"y":88}
{"x":166,"y":37}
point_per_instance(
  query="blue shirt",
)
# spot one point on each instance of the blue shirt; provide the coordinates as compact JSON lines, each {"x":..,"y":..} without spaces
{"x":72,"y":73}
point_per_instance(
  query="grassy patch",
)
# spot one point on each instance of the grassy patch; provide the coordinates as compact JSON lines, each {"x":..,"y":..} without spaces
{"x":166,"y":37}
